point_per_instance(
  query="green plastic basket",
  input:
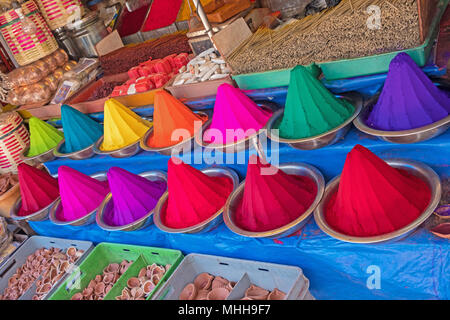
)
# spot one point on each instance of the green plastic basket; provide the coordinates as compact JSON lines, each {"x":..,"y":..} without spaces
{"x":269,"y":79}
{"x":106,"y":253}
{"x":349,"y":68}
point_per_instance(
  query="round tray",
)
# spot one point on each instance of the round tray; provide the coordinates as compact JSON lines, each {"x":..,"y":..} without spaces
{"x":206,"y":225}
{"x":85,"y":220}
{"x":167,"y":151}
{"x":77,"y":155}
{"x":138,"y":224}
{"x":38,"y":159}
{"x":324,"y":139}
{"x":37,"y":216}
{"x":290,"y":168}
{"x":124,"y":152}
{"x":237,"y":146}
{"x":404,"y":136}
{"x":416,"y":168}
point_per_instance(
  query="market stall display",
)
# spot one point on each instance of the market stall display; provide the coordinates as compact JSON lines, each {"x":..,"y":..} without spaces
{"x":108,"y":268}
{"x":38,"y":266}
{"x":132,"y":200}
{"x":57,"y":12}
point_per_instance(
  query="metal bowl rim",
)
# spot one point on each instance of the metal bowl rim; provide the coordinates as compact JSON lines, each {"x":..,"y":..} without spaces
{"x":157,"y":217}
{"x":274,"y":232}
{"x":432,"y":180}
{"x":25,"y":158}
{"x":97,"y":144}
{"x":59,"y":154}
{"x":14,"y":216}
{"x":54,"y":208}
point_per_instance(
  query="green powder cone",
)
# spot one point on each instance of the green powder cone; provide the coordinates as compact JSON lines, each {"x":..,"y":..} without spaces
{"x":43,"y":137}
{"x":310,"y":108}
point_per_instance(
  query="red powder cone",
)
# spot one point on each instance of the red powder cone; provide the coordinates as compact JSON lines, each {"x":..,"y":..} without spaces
{"x":193,"y":196}
{"x":272,"y":201}
{"x":374,"y":198}
{"x":37,"y":188}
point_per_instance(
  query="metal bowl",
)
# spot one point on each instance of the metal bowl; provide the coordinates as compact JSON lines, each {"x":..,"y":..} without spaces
{"x":167,"y":151}
{"x":418,"y":169}
{"x":238,"y":146}
{"x":235,"y":198}
{"x":124,"y":152}
{"x":206,"y":225}
{"x":85,"y":220}
{"x":37,"y":216}
{"x":37,"y":159}
{"x":77,"y":155}
{"x":143,"y":222}
{"x":404,"y":136}
{"x":322,"y":140}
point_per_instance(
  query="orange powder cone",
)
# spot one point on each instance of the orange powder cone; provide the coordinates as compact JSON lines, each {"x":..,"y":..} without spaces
{"x":122,"y":127}
{"x":170,"y":114}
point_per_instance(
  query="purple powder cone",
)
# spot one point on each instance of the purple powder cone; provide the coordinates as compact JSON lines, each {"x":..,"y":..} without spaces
{"x":133,"y":196}
{"x":409,"y":99}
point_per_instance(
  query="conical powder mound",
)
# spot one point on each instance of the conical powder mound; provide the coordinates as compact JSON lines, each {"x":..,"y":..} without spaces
{"x":43,"y":137}
{"x":234,"y":111}
{"x":37,"y":188}
{"x":310,"y":108}
{"x":122,"y":127}
{"x":271,"y":201}
{"x":80,"y":131}
{"x":133,"y":196}
{"x":193,"y":196}
{"x":409,"y":99}
{"x":80,"y":194}
{"x":373,"y":198}
{"x":169,"y":116}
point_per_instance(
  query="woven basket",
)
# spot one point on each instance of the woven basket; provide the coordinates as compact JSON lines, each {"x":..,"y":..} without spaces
{"x":58,"y":12}
{"x":27,"y":48}
{"x":14,"y":139}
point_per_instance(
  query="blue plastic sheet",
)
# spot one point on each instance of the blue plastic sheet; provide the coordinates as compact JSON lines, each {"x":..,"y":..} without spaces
{"x":417,"y":267}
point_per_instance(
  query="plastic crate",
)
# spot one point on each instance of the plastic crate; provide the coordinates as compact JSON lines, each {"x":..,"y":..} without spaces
{"x":269,"y":79}
{"x":106,"y":253}
{"x":289,"y":279}
{"x":349,"y":68}
{"x":19,"y":257}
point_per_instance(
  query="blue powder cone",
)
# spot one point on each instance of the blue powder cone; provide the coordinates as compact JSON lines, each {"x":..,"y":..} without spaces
{"x":80,"y":131}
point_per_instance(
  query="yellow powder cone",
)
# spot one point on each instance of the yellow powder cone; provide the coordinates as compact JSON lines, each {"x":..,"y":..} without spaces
{"x":122,"y":127}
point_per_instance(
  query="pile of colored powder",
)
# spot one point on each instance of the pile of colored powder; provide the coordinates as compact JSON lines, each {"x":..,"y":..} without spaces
{"x":168,"y":116}
{"x":133,"y":196}
{"x":80,"y":194}
{"x":37,"y":188}
{"x":373,"y":198}
{"x":80,"y":131}
{"x":122,"y":127}
{"x":310,"y":108}
{"x":193,"y":196}
{"x":43,"y":137}
{"x":236,"y":113}
{"x":272,"y":198}
{"x":409,"y":99}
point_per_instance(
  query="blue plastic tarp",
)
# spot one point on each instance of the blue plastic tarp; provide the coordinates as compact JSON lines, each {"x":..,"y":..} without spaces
{"x":417,"y":267}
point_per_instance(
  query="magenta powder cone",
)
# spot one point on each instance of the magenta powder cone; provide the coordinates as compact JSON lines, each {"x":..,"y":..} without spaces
{"x":133,"y":196}
{"x":80,"y":194}
{"x":409,"y":99}
{"x":234,"y":110}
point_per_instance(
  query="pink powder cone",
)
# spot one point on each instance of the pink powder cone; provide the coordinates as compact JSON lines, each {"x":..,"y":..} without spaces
{"x":80,"y":194}
{"x":133,"y":196}
{"x":234,"y":110}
